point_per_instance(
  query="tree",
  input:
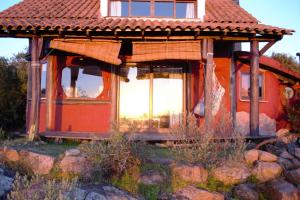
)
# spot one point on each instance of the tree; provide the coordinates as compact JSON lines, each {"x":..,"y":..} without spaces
{"x":287,"y":60}
{"x":13,"y":90}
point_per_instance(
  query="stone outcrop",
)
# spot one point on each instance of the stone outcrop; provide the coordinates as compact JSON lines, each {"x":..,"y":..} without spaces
{"x":253,"y":155}
{"x":5,"y":184}
{"x":190,"y":173}
{"x":281,"y":190}
{"x":38,"y":163}
{"x":78,"y":165}
{"x":193,"y":193}
{"x":152,"y":177}
{"x":230,"y":175}
{"x":293,"y":176}
{"x":246,"y":192}
{"x":265,"y":171}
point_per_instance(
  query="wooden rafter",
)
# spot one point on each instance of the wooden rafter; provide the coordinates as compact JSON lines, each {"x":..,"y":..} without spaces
{"x":266,"y":47}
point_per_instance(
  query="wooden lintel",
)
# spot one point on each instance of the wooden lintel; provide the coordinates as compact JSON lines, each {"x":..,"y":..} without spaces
{"x":254,"y":89}
{"x":266,"y":47}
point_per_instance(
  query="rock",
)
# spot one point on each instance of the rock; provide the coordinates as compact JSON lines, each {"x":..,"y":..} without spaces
{"x":11,"y":154}
{"x":190,"y":173}
{"x":282,"y":133}
{"x":267,"y":125}
{"x":267,"y":157}
{"x":251,"y":156}
{"x":39,"y":164}
{"x":95,"y":196}
{"x":297,"y":153}
{"x":5,"y":185}
{"x":245,"y":192}
{"x":152,"y":178}
{"x":113,"y":193}
{"x":265,"y":171}
{"x":72,"y":152}
{"x":230,"y":175}
{"x":286,"y":155}
{"x":77,"y":194}
{"x":192,"y":193}
{"x":293,"y":176}
{"x":285,"y":163}
{"x":281,"y":190}
{"x":75,"y":165}
{"x":162,"y":161}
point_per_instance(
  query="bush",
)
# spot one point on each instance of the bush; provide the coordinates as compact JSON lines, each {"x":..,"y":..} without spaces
{"x":207,"y":148}
{"x":287,"y":60}
{"x":293,"y":110}
{"x":111,"y":158}
{"x":38,"y":188}
{"x":13,"y":89}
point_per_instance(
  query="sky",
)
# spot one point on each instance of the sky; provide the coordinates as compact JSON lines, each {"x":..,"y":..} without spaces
{"x":279,"y":13}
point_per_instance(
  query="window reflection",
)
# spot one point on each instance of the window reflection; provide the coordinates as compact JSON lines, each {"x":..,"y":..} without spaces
{"x":245,"y":86}
{"x":140,"y":8}
{"x":185,"y":10}
{"x":43,"y":80}
{"x":164,"y":9}
{"x":82,"y":81}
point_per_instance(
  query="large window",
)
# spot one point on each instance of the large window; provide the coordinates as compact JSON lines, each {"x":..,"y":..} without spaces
{"x":245,"y":86}
{"x":152,"y":8}
{"x":82,"y":81}
{"x":151,"y":96}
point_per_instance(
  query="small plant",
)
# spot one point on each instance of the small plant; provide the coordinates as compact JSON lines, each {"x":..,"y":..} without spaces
{"x":111,"y":158}
{"x":215,"y":185}
{"x":39,"y":188}
{"x":293,"y":110}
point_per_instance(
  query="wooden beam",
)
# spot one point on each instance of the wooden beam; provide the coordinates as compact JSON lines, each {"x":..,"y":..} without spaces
{"x":233,"y":95}
{"x":208,"y":84}
{"x":114,"y":96}
{"x":49,"y":93}
{"x":254,"y":89}
{"x":36,"y":89}
{"x":266,"y":47}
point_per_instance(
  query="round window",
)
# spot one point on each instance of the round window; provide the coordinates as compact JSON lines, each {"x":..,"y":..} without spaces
{"x":289,"y":92}
{"x":82,"y":81}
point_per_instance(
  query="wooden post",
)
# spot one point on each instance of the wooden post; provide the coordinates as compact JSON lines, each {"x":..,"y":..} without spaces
{"x":36,"y":90}
{"x":208,"y":88}
{"x":114,"y":88}
{"x":49,"y":93}
{"x":254,"y":89}
{"x":233,"y":95}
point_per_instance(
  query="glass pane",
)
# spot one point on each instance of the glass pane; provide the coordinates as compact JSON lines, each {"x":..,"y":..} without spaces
{"x":119,"y":8}
{"x":82,"y":82}
{"x":164,"y":9}
{"x":245,"y":86}
{"x":134,"y":97}
{"x":43,"y":80}
{"x":140,"y":8}
{"x":185,"y":10}
{"x":167,"y":96}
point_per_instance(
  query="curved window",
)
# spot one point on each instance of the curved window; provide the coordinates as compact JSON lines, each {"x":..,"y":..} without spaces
{"x":82,"y":81}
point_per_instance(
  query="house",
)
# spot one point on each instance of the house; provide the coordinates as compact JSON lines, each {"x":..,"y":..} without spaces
{"x":148,"y":62}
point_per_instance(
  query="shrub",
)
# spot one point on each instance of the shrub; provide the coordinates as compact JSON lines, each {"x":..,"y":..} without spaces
{"x":287,"y":60}
{"x":39,"y":188}
{"x":293,"y":110}
{"x":211,"y":148}
{"x":112,"y":157}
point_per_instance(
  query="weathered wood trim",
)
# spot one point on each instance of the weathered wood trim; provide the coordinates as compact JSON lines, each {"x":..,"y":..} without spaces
{"x":233,"y":87}
{"x":49,"y":93}
{"x":113,"y":114}
{"x":36,"y":89}
{"x":208,"y":84}
{"x":254,"y":89}
{"x":266,"y":47}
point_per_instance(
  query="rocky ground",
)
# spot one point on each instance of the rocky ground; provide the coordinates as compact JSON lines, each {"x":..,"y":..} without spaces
{"x":272,"y":172}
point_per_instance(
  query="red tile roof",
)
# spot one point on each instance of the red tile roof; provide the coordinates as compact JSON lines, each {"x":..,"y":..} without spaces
{"x":221,"y":15}
{"x":271,"y":64}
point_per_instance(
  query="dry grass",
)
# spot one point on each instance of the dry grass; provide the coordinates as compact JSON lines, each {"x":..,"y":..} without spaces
{"x":210,"y":148}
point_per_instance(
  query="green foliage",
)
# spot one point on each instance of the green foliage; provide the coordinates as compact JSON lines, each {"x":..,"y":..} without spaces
{"x":149,"y":192}
{"x":13,"y":87}
{"x":293,"y":110}
{"x":129,"y":181}
{"x":39,"y":188}
{"x":215,"y":185}
{"x":287,"y":60}
{"x":252,"y":179}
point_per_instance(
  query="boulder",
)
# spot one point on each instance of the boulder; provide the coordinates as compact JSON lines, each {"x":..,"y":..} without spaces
{"x":267,"y":157}
{"x":286,"y":155}
{"x":10,"y":154}
{"x":40,"y":164}
{"x":190,"y":173}
{"x":75,"y":165}
{"x":293,"y":176}
{"x":281,"y":190}
{"x":152,"y":177}
{"x":95,"y":196}
{"x":265,"y":171}
{"x":245,"y":192}
{"x":251,"y":156}
{"x":282,"y":133}
{"x":285,"y":163}
{"x":297,"y":152}
{"x":230,"y":175}
{"x":72,"y":152}
{"x":193,"y":193}
{"x":112,"y":193}
{"x":5,"y":186}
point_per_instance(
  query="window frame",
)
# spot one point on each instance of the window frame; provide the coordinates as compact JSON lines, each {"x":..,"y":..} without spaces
{"x":152,"y":8}
{"x":263,"y":97}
